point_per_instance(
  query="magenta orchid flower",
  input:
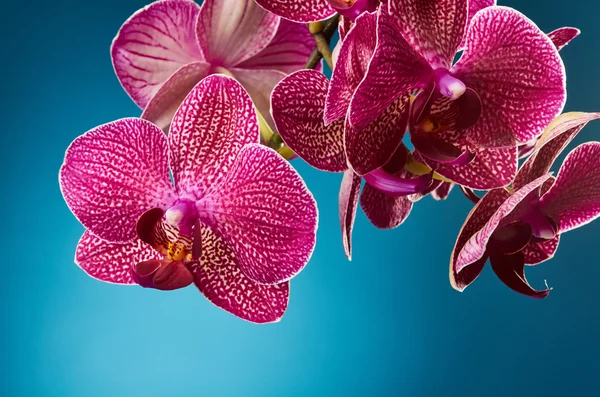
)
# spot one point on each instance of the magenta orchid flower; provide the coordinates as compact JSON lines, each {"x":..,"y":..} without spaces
{"x":522,"y":226}
{"x":317,"y":10}
{"x":237,"y":221}
{"x":166,"y":48}
{"x":505,"y":89}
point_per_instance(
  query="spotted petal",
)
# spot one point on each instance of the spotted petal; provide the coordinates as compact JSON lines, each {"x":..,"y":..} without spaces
{"x":297,"y":106}
{"x":474,"y":249}
{"x":384,"y":212}
{"x":474,"y":7}
{"x":395,"y":69}
{"x":372,"y":147}
{"x":287,"y":52}
{"x":153,"y":44}
{"x":563,"y":36}
{"x":209,"y":129}
{"x":233,"y":31}
{"x":115,"y":172}
{"x":551,"y":143}
{"x":265,"y":212}
{"x":219,"y":277}
{"x":518,"y":74}
{"x":574,"y":199}
{"x":462,"y":277}
{"x":299,"y":10}
{"x":540,"y":252}
{"x":111,"y":262}
{"x":351,"y":66}
{"x":434,"y":28}
{"x":348,"y":203}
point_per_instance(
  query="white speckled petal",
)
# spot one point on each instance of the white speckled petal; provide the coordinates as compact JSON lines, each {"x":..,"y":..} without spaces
{"x":348,"y":203}
{"x":299,"y":10}
{"x":209,"y":129}
{"x":221,"y":280}
{"x":114,"y":173}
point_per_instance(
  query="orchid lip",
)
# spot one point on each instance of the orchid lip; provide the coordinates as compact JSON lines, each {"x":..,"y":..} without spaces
{"x":449,"y":85}
{"x":396,"y":186}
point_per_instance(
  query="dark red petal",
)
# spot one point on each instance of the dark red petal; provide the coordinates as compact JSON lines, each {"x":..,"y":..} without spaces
{"x":144,"y":272}
{"x":510,"y":269}
{"x":145,"y":225}
{"x":174,"y":275}
{"x":510,"y":239}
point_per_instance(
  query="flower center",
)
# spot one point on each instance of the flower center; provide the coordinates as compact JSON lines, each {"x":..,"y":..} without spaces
{"x":448,"y":85}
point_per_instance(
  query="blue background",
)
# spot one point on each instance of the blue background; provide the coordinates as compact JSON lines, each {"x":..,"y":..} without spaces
{"x":388,"y":323}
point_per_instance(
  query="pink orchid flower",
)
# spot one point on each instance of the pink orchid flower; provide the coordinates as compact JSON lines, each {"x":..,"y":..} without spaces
{"x":237,"y":221}
{"x":504,"y":90}
{"x":317,"y":10}
{"x":522,"y":226}
{"x":163,"y":50}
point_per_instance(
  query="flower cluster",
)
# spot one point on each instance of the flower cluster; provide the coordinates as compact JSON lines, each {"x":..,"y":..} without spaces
{"x":196,"y":190}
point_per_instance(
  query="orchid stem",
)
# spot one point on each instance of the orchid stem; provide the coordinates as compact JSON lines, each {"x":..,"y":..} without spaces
{"x":322,"y":39}
{"x":470,"y":194}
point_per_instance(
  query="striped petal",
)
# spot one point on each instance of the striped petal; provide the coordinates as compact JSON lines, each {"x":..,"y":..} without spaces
{"x":395,"y":69}
{"x":462,"y":277}
{"x":115,"y":172}
{"x":165,"y":102}
{"x":299,"y":10}
{"x":518,"y":74}
{"x":287,"y":52}
{"x":474,"y":7}
{"x":232,"y":31}
{"x":372,"y":147}
{"x":209,"y":129}
{"x":348,"y":203}
{"x":111,"y":262}
{"x":574,"y":199}
{"x":297,"y":105}
{"x":563,"y":36}
{"x":219,"y":278}
{"x":260,"y":84}
{"x":474,"y":249}
{"x":434,"y":28}
{"x":153,"y":44}
{"x":265,"y":212}
{"x":351,"y":66}
{"x":551,"y":143}
{"x":384,"y":212}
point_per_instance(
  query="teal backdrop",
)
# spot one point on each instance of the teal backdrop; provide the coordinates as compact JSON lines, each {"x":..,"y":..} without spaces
{"x":386,"y":324}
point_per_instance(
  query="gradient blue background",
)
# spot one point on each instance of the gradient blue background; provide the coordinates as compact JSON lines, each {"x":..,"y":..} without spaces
{"x":386,"y":324}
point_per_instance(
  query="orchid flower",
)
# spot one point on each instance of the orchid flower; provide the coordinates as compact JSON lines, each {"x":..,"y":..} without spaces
{"x":166,"y":48}
{"x":522,"y":226}
{"x":505,"y":89}
{"x":238,"y":221}
{"x":317,"y":10}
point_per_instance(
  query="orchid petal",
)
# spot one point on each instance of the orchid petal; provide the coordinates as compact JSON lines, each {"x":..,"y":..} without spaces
{"x":372,"y":147}
{"x":260,"y":84}
{"x":172,"y":276}
{"x":299,"y":11}
{"x":518,"y":74}
{"x":434,"y":28}
{"x":395,"y":69}
{"x":398,"y":186}
{"x":574,"y":199}
{"x":222,"y":282}
{"x":115,"y":172}
{"x":165,"y":102}
{"x":461,"y":277}
{"x":287,"y":52}
{"x":474,"y":7}
{"x":153,"y":44}
{"x":474,"y":249}
{"x":440,"y":151}
{"x":352,"y":9}
{"x":348,"y":203}
{"x":297,"y":106}
{"x":209,"y":129}
{"x":538,"y":252}
{"x":443,"y":191}
{"x":561,"y":131}
{"x":351,"y":66}
{"x":384,"y":211}
{"x":111,"y":262}
{"x":265,"y":212}
{"x":232,"y":31}
{"x":563,"y":36}
{"x":510,"y":269}
{"x":489,"y":169}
